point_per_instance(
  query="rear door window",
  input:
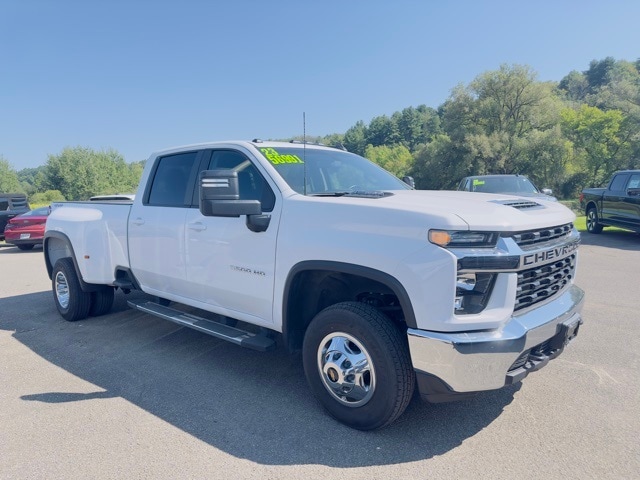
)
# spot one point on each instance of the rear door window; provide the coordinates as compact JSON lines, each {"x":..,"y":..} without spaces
{"x":618,"y":183}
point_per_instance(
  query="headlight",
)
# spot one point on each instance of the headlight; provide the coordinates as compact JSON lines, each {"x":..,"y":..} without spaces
{"x":466,"y":239}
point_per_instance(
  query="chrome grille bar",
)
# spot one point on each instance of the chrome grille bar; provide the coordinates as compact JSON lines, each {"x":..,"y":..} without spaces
{"x":539,"y":283}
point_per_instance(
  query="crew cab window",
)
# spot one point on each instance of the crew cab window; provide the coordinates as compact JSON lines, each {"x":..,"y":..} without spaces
{"x":618,"y":182}
{"x":251,"y":183}
{"x":634,"y":182}
{"x":172,"y":180}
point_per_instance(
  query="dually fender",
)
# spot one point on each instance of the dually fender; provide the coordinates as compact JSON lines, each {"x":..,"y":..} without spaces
{"x":64,"y":249}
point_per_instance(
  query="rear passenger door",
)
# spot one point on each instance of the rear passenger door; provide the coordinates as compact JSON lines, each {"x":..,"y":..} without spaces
{"x":632,"y":202}
{"x":157,"y":225}
{"x":613,"y":200}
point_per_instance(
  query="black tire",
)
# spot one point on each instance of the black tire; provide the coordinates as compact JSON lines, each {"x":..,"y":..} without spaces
{"x":101,"y":302}
{"x":592,"y":221}
{"x":373,"y":395}
{"x":26,"y":246}
{"x":72,"y":303}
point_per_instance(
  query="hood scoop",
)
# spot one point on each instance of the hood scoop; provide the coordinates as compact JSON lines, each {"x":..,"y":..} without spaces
{"x":519,"y":204}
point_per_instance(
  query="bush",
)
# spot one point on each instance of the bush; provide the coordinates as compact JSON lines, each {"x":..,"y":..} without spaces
{"x":47,"y":197}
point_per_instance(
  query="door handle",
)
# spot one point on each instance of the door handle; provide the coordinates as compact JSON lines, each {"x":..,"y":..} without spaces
{"x":197,"y":226}
{"x":138,"y":221}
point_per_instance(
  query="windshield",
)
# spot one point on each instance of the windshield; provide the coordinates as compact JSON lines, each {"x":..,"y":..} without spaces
{"x":329,"y":171}
{"x":503,"y":185}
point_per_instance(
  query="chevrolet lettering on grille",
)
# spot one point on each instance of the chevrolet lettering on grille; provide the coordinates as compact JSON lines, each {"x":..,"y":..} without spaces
{"x":545,"y":256}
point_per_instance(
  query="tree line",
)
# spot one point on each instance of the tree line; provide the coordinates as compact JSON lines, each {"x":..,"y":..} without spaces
{"x":564,"y":135}
{"x":76,"y":173}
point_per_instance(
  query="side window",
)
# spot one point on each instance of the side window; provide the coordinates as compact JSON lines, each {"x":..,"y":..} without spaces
{"x":634,"y":182}
{"x":252,"y":185}
{"x":618,"y":183}
{"x":171,"y":180}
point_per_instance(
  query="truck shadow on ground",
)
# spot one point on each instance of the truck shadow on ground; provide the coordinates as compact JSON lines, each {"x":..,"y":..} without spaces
{"x":252,"y":405}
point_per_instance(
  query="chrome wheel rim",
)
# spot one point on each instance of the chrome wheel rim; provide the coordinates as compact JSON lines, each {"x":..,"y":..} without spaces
{"x":591,"y":220}
{"x":62,"y":290}
{"x":346,"y":369}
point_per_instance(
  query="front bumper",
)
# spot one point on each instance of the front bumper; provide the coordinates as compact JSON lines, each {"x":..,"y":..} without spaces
{"x":452,"y":364}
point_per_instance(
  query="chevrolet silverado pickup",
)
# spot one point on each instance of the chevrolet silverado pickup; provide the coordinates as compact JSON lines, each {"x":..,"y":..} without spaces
{"x":382,"y":288}
{"x":617,"y":205}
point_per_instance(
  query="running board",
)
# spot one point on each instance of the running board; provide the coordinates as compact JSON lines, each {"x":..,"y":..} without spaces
{"x":243,"y":338}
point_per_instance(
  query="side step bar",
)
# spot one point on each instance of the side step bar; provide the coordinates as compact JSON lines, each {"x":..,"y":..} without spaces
{"x":240,"y":337}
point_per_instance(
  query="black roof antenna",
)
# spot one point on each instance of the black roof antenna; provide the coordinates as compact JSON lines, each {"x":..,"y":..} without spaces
{"x":304,"y":152}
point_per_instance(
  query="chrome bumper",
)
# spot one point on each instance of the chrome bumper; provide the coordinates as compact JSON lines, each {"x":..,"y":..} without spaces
{"x":457,"y":363}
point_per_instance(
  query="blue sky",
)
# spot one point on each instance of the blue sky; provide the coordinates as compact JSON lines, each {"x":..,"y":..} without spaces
{"x":139,"y":75}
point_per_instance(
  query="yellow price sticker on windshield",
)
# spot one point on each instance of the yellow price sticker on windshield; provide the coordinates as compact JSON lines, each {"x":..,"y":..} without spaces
{"x":279,"y":158}
{"x":477,"y":182}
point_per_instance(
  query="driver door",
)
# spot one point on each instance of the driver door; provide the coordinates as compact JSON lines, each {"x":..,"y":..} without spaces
{"x":231,"y":269}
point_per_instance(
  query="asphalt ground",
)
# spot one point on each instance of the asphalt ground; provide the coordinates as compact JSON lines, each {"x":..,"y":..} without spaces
{"x":127,"y":395}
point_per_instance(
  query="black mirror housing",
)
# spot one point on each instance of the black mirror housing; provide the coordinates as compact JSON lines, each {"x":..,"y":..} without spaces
{"x":220,"y":195}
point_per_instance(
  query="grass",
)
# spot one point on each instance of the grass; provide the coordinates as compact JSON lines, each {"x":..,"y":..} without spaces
{"x":581,"y":225}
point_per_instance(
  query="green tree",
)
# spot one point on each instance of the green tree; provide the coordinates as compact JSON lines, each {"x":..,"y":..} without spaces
{"x":433,"y":168}
{"x":355,"y":138}
{"x":382,"y":130}
{"x":9,"y":182}
{"x":396,"y":159}
{"x":80,"y":172}
{"x":574,"y":86}
{"x":497,"y":124}
{"x":598,"y":138}
{"x":47,"y":197}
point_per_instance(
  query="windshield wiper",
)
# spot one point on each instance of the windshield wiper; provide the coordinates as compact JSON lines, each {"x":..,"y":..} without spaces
{"x":328,"y":194}
{"x":353,"y":193}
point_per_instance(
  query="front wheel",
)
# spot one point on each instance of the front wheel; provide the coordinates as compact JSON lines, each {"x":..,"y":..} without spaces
{"x":357,"y":364}
{"x":592,"y":221}
{"x":72,"y":303}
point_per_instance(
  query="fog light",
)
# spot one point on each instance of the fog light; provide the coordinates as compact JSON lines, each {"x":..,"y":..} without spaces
{"x":458,"y":304}
{"x":466,"y":281}
{"x":472,"y":292}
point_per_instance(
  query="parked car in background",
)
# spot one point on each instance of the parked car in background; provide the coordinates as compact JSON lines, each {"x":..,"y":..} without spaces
{"x":11,"y":204}
{"x":127,"y":197}
{"x":27,"y":230}
{"x":617,"y":205}
{"x":509,"y":184}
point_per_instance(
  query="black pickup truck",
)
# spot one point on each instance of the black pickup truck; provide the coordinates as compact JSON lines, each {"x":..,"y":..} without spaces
{"x":11,"y":204}
{"x":617,"y":205}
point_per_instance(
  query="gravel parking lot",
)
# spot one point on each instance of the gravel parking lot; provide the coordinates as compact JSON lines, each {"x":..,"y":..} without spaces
{"x":127,"y":395}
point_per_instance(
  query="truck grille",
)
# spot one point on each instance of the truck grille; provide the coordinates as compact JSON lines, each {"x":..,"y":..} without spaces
{"x":534,"y":237}
{"x":539,"y":283}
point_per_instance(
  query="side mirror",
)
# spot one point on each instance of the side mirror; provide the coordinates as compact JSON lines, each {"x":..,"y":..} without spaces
{"x":409,"y":181}
{"x":220,"y":195}
{"x":547,"y":191}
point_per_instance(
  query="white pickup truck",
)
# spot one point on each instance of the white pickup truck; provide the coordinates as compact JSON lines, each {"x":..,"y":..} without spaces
{"x":383,"y":288}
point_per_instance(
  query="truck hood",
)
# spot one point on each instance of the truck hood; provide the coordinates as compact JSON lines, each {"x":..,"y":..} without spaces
{"x":478,"y":211}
